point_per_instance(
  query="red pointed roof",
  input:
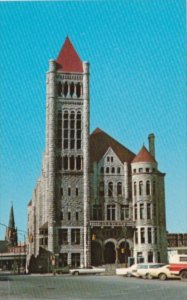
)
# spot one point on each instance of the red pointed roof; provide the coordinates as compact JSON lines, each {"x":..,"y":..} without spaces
{"x":99,"y":144}
{"x":144,"y":156}
{"x":68,"y":59}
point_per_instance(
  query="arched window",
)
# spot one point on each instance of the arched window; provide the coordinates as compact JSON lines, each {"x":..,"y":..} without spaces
{"x":148,"y":190}
{"x":110,"y":189}
{"x":141,"y":188}
{"x":59,"y":130}
{"x":72,"y":163}
{"x":59,"y":88}
{"x":65,"y":89}
{"x":72,"y":89}
{"x":78,"y":90}
{"x":78,"y":163}
{"x":135,"y":189}
{"x":107,"y":170}
{"x":65,"y":163}
{"x":119,"y":189}
{"x":78,"y":125}
{"x":135,"y":212}
{"x":113,"y":170}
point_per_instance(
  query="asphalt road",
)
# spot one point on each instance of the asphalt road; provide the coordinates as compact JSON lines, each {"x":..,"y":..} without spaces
{"x":67,"y":287}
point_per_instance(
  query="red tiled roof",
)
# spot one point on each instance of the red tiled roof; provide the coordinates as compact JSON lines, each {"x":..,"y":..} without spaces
{"x":144,"y":156}
{"x":101,"y":141}
{"x":68,"y":59}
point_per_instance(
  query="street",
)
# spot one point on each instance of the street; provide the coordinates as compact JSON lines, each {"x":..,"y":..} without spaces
{"x":66,"y":287}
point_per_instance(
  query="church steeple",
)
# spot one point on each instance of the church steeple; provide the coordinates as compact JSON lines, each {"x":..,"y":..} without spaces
{"x":11,"y":232}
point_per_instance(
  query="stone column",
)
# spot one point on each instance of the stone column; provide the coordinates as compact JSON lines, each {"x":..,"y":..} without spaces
{"x":51,"y":153}
{"x":86,"y":194}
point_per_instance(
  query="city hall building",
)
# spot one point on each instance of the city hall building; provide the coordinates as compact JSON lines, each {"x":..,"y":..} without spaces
{"x":96,"y":202}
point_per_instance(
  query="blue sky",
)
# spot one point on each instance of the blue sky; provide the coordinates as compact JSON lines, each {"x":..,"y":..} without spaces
{"x":136,"y":49}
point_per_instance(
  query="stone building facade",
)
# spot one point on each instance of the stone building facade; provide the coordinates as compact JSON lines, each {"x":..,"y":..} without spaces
{"x":96,"y":201}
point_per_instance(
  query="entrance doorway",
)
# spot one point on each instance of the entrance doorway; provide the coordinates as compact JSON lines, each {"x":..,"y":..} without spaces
{"x":109,"y":253}
{"x":96,"y":253}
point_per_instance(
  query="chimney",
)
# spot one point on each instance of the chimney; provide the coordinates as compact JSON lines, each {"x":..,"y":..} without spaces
{"x":151,"y":139}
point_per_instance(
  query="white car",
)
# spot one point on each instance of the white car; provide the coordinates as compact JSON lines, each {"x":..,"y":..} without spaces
{"x":130,"y":271}
{"x":144,"y":269}
{"x":162,"y":273}
{"x":86,"y":271}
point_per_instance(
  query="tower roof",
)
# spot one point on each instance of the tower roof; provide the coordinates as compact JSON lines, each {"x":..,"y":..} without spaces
{"x":11,"y":223}
{"x":101,"y":141}
{"x":144,"y":156}
{"x":68,"y":59}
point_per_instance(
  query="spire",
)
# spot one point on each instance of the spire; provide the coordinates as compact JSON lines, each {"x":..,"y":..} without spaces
{"x":68,"y":59}
{"x":11,"y":223}
{"x":11,"y":232}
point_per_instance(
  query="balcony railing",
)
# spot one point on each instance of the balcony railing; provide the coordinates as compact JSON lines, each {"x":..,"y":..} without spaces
{"x":112,"y":223}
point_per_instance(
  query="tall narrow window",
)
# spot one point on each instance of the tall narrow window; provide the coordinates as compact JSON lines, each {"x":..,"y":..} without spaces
{"x":76,"y":191}
{"x":75,"y":236}
{"x":154,"y":210}
{"x":142,"y":235}
{"x":69,"y":191}
{"x":65,"y":89}
{"x":69,"y":215}
{"x":110,"y":189}
{"x":102,"y":170}
{"x":141,"y":211}
{"x":113,"y":170}
{"x":59,"y":163}
{"x":136,"y":236}
{"x":150,"y":257}
{"x":107,"y":170}
{"x":155,"y":233}
{"x":71,"y":89}
{"x":118,"y":170}
{"x":78,"y":90}
{"x":149,"y":235}
{"x":148,"y":191}
{"x":77,"y":215}
{"x":75,"y":260}
{"x":111,"y":212}
{"x":78,"y":163}
{"x":119,"y":189}
{"x":78,"y":128}
{"x":135,"y":191}
{"x":61,"y":191}
{"x":124,"y":212}
{"x":72,"y":163}
{"x":135,"y":212}
{"x":141,"y":188}
{"x":148,"y":211}
{"x":65,"y":130}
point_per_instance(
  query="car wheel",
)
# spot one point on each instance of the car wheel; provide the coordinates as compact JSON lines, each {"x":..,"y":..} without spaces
{"x":144,"y":276}
{"x":183,"y":275}
{"x":149,"y":276}
{"x":162,"y":276}
{"x":76,"y":273}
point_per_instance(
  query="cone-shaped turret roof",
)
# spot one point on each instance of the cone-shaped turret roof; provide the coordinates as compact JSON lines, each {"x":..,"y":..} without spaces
{"x":11,"y":223}
{"x":68,"y":59}
{"x":144,"y":156}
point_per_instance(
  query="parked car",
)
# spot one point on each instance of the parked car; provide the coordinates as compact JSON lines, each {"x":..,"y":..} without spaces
{"x":86,"y":271}
{"x":130,"y":271}
{"x":143,"y":269}
{"x":162,"y":273}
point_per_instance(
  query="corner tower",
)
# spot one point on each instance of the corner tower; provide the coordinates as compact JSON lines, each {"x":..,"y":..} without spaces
{"x":148,"y":208}
{"x":67,"y":157}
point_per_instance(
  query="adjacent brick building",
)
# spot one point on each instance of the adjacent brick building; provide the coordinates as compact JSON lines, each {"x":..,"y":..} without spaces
{"x":96,"y":201}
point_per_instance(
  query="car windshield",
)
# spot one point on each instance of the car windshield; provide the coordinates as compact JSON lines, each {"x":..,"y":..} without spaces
{"x":156,"y":266}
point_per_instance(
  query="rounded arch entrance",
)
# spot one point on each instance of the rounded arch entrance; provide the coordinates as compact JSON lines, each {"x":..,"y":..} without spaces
{"x":109,"y":252}
{"x":124,"y":252}
{"x":96,"y":253}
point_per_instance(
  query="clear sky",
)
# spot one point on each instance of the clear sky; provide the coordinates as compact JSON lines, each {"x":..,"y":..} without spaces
{"x":136,"y":49}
